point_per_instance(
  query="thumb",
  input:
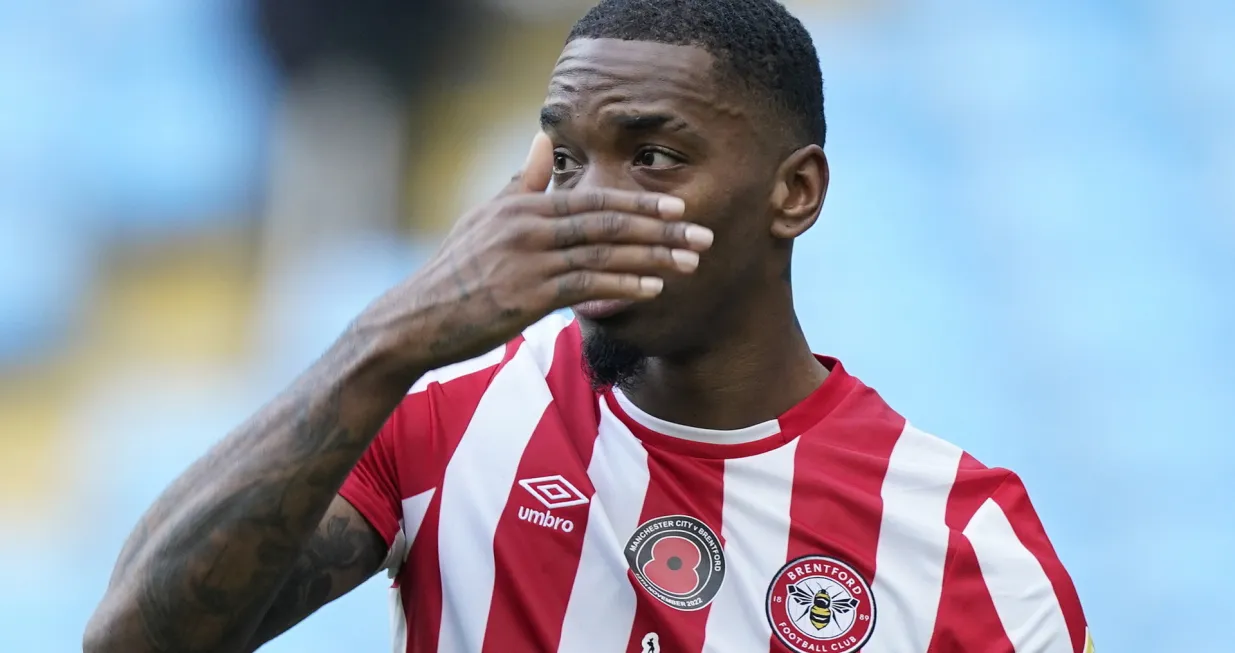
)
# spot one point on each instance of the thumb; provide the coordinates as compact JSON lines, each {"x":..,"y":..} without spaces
{"x":537,"y":170}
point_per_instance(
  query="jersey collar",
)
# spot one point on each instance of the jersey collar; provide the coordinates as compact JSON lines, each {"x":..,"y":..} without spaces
{"x":749,"y":441}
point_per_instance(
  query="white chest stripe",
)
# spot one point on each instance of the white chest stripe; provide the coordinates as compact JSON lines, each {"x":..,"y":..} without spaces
{"x":478,"y":482}
{"x":913,"y":540}
{"x":755,"y":524}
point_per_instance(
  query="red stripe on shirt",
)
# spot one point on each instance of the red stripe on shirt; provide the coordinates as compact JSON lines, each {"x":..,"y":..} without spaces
{"x":373,"y":486}
{"x":677,"y":485}
{"x":543,"y":555}
{"x":839,"y":469}
{"x":966,"y":620}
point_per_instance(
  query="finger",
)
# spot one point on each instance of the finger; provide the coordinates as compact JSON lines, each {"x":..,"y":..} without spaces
{"x":560,"y":204}
{"x":644,"y":260}
{"x":537,"y":170}
{"x":612,"y":227}
{"x":586,"y":285}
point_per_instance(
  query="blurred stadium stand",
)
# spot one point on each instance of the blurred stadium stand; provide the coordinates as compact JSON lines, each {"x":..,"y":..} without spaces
{"x":1029,"y":248}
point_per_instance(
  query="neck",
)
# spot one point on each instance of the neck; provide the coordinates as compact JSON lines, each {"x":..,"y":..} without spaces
{"x":749,"y":375}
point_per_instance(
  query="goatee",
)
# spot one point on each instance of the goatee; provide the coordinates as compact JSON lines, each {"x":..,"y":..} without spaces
{"x":611,"y":363}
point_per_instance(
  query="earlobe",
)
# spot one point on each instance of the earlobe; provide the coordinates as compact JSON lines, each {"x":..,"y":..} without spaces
{"x":801,"y":185}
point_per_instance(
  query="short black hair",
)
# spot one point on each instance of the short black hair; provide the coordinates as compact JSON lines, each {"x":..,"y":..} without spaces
{"x":764,"y":46}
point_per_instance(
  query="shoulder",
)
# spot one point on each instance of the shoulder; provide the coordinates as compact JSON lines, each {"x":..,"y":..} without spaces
{"x":919,"y":456}
{"x":423,"y":431}
{"x":555,"y":337}
{"x":538,"y":343}
{"x":914,"y":458}
{"x":928,"y":477}
{"x":1001,"y":577}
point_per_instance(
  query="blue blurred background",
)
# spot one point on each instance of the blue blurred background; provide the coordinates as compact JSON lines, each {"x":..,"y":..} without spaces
{"x":1029,"y":248}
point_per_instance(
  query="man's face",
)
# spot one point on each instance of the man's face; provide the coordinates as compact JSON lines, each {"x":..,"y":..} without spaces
{"x":636,"y":115}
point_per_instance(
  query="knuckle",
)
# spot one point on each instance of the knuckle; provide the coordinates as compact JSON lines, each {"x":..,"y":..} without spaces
{"x":574,"y":284}
{"x":613,"y":224}
{"x":597,"y":256}
{"x":506,"y":207}
{"x":568,"y":233}
{"x":516,"y":232}
{"x":596,"y":200}
{"x":561,"y":204}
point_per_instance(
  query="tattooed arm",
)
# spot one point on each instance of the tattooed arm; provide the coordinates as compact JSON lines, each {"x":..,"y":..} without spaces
{"x":252,"y":538}
{"x":343,"y":553}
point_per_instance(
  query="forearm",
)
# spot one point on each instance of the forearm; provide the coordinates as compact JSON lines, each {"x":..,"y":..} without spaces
{"x":207,"y":559}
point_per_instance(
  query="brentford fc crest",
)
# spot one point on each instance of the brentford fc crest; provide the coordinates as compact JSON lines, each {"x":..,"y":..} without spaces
{"x":818,"y":604}
{"x":677,"y":559}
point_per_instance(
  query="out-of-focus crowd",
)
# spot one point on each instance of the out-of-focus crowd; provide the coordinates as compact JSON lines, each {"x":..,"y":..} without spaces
{"x":1028,"y":247}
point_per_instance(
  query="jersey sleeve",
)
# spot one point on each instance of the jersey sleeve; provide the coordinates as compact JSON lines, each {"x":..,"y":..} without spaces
{"x":373,"y":487}
{"x":1005,"y":587}
{"x":405,"y":462}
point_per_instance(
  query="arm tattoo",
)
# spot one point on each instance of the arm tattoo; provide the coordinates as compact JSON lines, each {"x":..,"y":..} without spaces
{"x":344,"y":552}
{"x":238,"y":546}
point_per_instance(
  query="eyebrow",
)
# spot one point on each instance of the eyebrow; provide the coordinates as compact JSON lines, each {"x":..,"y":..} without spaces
{"x":644,"y":122}
{"x":555,"y":115}
{"x":552,"y":116}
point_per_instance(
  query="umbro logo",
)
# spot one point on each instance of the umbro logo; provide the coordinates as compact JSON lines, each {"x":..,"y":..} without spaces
{"x":552,"y":492}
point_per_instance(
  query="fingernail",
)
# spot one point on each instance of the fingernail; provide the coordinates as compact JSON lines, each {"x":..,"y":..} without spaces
{"x":699,"y":236}
{"x":671,"y":207}
{"x":651,"y":285}
{"x":686,"y":259}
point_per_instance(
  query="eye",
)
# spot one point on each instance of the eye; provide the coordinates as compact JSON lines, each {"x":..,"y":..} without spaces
{"x":655,"y":157}
{"x":563,"y":163}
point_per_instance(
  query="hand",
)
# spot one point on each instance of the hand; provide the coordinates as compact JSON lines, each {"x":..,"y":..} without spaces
{"x":527,"y":253}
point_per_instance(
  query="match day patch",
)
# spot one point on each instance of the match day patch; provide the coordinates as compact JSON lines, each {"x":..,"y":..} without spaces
{"x":818,"y":604}
{"x":677,"y":559}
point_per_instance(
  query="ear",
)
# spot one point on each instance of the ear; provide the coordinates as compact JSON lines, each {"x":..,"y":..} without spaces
{"x":797,"y":197}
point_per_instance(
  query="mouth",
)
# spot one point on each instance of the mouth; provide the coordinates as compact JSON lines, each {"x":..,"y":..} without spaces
{"x":601,"y":308}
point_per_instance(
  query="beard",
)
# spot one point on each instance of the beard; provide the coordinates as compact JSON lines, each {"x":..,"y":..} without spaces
{"x":611,"y":363}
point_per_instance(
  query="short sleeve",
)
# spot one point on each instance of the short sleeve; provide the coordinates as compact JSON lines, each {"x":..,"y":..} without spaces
{"x":408,"y":457}
{"x":373,"y":488}
{"x":1006,"y":587}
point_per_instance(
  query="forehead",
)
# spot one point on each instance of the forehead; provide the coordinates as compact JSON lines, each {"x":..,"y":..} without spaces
{"x":615,"y":79}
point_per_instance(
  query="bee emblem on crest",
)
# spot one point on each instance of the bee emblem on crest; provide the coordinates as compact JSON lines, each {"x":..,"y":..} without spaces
{"x":820,"y":605}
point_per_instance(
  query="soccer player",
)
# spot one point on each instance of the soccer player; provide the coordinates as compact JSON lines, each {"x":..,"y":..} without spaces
{"x":672,"y":470}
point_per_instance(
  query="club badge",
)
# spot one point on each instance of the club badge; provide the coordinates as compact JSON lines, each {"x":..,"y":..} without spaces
{"x":817,"y":604}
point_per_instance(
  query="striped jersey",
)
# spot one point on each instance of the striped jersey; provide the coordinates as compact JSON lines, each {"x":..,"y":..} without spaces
{"x":528,"y":513}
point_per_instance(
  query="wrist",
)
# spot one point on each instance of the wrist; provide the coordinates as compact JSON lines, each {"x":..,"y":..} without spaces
{"x":383,"y":355}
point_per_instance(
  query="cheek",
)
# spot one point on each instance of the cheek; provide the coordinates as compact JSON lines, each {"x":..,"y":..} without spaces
{"x":737,"y":213}
{"x":723,"y":204}
{"x":731,"y":261}
{"x":738,"y":221}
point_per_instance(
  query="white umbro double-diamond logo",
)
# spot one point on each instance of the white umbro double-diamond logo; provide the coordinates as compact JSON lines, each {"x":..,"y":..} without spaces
{"x":553,"y":492}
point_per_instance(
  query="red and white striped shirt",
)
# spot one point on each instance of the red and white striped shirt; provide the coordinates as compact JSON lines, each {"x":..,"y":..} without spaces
{"x":527,"y":513}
